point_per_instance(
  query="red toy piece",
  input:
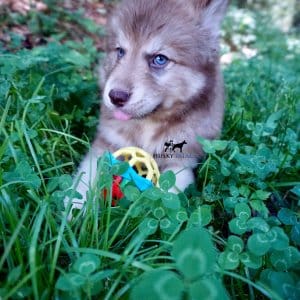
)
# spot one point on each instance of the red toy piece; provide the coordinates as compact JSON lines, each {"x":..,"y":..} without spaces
{"x":117,"y":194}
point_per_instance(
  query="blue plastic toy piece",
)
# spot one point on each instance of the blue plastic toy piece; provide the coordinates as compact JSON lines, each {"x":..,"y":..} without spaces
{"x":131,"y":175}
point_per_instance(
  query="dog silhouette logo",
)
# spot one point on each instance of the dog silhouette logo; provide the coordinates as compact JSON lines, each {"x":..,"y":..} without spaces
{"x":171,"y":147}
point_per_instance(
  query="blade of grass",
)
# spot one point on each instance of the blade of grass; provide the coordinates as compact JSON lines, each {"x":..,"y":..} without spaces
{"x":128,"y":259}
{"x":33,"y":154}
{"x":5,"y":112}
{"x":117,"y":231}
{"x":11,"y":147}
{"x":114,"y":256}
{"x":38,"y":88}
{"x":21,"y":283}
{"x":66,"y":135}
{"x":251,"y":291}
{"x":33,"y":248}
{"x":14,"y":236}
{"x":59,"y":167}
{"x":59,"y":239}
{"x":60,"y":236}
{"x":264,"y":290}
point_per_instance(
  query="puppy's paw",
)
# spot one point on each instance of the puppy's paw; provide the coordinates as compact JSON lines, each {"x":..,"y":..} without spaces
{"x":77,"y":197}
{"x":82,"y":182}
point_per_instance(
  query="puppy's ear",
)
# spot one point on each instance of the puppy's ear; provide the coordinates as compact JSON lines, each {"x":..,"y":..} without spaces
{"x":211,"y":13}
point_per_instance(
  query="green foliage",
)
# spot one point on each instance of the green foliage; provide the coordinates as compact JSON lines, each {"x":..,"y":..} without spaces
{"x":195,"y":259}
{"x":167,"y":180}
{"x":231,"y":258}
{"x":83,"y":280}
{"x":234,"y":233}
{"x":284,"y":284}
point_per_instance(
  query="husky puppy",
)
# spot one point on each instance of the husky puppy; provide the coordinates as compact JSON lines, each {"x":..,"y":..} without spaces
{"x":161,"y":82}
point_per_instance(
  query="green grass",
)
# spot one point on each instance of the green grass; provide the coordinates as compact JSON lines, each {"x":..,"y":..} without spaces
{"x":235,"y":233}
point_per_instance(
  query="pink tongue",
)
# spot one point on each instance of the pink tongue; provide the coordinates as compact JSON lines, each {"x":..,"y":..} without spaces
{"x":119,"y":115}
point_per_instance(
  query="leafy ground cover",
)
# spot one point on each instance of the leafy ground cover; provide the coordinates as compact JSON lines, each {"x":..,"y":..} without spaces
{"x":235,"y":234}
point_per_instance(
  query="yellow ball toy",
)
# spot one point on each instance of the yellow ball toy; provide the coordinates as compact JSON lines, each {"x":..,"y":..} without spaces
{"x":141,"y":161}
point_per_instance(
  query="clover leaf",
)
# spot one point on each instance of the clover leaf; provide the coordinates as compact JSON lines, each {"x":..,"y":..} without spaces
{"x":65,"y":182}
{"x":242,"y":211}
{"x":283,"y":260}
{"x":167,"y":180}
{"x":260,"y":243}
{"x":282,"y":283}
{"x":83,"y":279}
{"x":23,"y":174}
{"x":171,"y":200}
{"x":152,"y":193}
{"x":194,"y":253}
{"x":210,"y":147}
{"x":132,"y":193}
{"x":158,"y":285}
{"x":179,"y":216}
{"x":296,"y":189}
{"x":70,"y":281}
{"x":14,"y":275}
{"x":159,"y":212}
{"x":278,"y":239}
{"x":238,"y":225}
{"x":87,"y":264}
{"x":295,"y":234}
{"x":289,"y":217}
{"x":202,"y":216}
{"x":207,"y":289}
{"x":235,"y":244}
{"x":148,"y":226}
{"x":234,"y":255}
{"x":258,"y":223}
{"x":229,"y":260}
{"x":262,"y":163}
{"x":195,"y":278}
{"x":250,"y":260}
{"x":168,"y":226}
{"x":159,"y":220}
{"x":230,"y":202}
{"x":225,"y":167}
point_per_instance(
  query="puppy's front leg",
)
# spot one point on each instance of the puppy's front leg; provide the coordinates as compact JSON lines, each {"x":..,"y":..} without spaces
{"x":86,"y":174}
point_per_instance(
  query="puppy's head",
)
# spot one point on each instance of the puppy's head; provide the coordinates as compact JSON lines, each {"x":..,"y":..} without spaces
{"x":159,"y":53}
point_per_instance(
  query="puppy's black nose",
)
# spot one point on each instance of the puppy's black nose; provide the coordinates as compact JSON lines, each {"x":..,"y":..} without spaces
{"x":118,"y":97}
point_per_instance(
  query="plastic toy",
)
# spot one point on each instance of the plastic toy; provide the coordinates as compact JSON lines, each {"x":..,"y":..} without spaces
{"x":143,"y":170}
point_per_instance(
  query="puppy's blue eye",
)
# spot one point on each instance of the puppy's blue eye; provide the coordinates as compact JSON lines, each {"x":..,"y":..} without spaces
{"x":159,"y":61}
{"x":120,"y":52}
